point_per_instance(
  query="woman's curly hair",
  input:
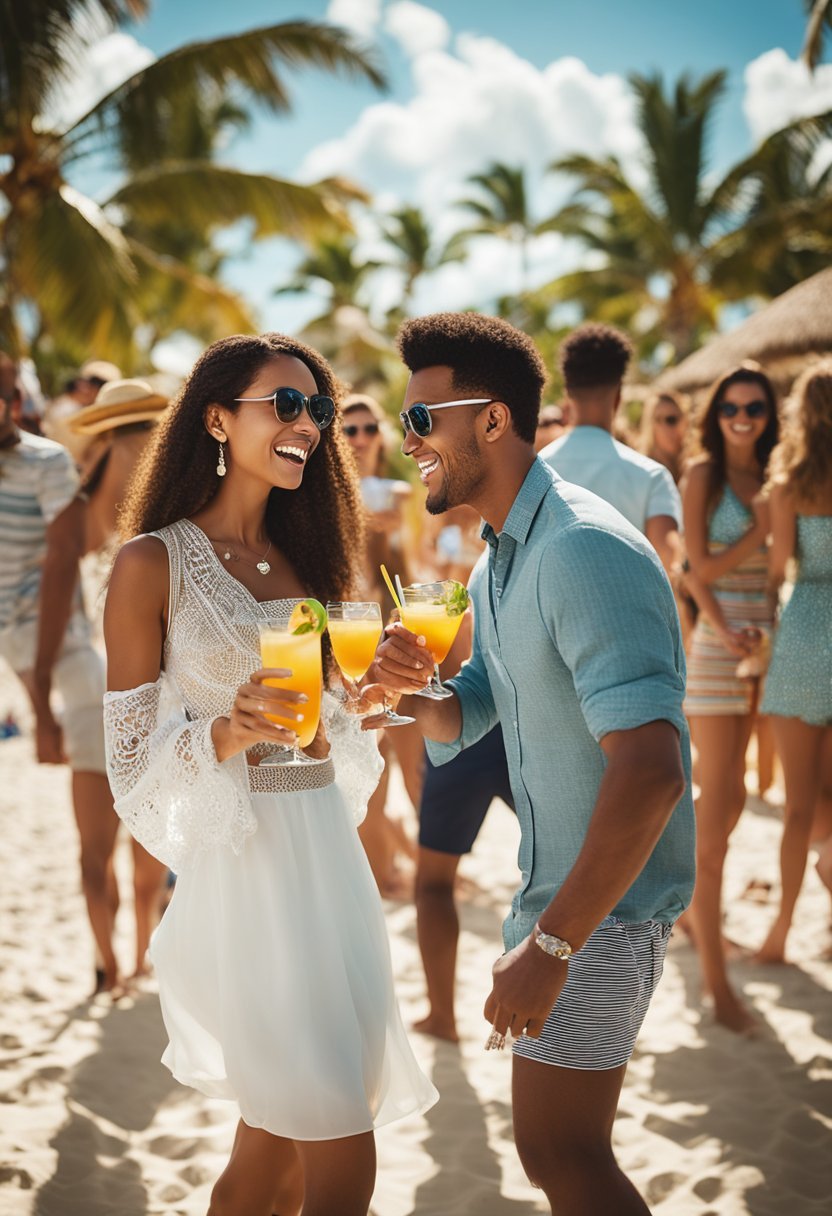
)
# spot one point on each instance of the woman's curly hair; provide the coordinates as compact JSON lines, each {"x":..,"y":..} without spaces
{"x":802,"y":460}
{"x":706,"y":438}
{"x":318,"y":527}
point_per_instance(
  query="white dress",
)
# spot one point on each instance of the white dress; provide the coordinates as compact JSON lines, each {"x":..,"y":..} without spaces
{"x":272,"y":958}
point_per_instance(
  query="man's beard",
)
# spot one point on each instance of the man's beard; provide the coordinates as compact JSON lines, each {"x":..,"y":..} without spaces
{"x":459,"y":481}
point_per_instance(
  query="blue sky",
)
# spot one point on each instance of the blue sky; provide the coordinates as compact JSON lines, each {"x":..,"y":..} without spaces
{"x":619,"y":36}
{"x":523,"y":82}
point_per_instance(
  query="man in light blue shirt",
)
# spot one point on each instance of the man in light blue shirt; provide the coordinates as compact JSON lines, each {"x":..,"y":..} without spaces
{"x":593,"y":361}
{"x":578,"y":655}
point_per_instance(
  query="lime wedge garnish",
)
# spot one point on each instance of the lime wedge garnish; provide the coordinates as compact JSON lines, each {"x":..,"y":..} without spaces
{"x":309,"y":616}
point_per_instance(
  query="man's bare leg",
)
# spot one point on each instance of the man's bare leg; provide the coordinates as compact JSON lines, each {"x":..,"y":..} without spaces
{"x":563,"y":1120}
{"x":97,"y":828}
{"x":437,"y":926}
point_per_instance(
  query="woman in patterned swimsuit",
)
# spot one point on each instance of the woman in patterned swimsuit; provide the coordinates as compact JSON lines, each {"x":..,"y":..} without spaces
{"x":726,"y":528}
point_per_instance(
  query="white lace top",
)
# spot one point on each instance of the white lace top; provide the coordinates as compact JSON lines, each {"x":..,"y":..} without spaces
{"x":168,"y":786}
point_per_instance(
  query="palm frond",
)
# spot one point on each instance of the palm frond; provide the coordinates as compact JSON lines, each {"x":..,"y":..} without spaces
{"x":206,"y":196}
{"x":141,"y":105}
{"x":820,"y":16}
{"x":76,"y":268}
{"x":173,"y":296}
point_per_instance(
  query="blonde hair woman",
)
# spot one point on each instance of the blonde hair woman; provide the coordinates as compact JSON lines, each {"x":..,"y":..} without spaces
{"x":799,"y":687}
{"x":663,"y":430}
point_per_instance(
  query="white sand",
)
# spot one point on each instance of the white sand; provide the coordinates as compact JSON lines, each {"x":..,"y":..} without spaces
{"x":90,"y":1122}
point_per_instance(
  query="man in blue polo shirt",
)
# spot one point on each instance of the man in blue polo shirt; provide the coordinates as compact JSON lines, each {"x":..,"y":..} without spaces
{"x":578,"y":654}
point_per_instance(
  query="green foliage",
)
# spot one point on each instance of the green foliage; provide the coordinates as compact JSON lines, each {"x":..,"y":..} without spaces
{"x":94,"y":277}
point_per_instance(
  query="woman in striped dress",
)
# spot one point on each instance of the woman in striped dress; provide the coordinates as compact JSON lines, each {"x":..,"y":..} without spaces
{"x":726,"y":529}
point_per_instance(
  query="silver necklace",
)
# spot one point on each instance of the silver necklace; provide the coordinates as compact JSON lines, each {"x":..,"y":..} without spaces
{"x":229,"y":555}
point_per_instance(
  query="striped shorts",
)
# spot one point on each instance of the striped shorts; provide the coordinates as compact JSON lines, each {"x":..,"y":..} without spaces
{"x":597,"y":1017}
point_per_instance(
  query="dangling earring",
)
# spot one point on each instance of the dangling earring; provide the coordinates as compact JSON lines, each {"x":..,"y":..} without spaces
{"x":221,"y":469}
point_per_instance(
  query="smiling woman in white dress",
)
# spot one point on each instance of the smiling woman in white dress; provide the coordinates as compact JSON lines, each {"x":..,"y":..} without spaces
{"x":272,"y":959}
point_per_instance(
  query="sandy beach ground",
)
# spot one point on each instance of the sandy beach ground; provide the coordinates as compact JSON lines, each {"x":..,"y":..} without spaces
{"x":91,"y":1123}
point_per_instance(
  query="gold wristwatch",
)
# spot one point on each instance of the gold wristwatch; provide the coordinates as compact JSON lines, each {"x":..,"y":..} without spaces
{"x":556,"y":947}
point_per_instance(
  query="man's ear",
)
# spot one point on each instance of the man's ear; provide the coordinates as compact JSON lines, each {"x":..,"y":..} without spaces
{"x":617,"y":402}
{"x":496,"y":420}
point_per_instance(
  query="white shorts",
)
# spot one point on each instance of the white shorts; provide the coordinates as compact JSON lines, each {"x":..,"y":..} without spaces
{"x":597,"y":1017}
{"x":78,"y":681}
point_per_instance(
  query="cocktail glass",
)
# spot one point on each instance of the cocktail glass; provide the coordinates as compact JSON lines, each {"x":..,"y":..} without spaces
{"x":354,"y":630}
{"x":299,"y":653}
{"x":435,"y":610}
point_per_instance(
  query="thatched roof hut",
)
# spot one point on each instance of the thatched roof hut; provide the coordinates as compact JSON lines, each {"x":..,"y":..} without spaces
{"x":781,"y":336}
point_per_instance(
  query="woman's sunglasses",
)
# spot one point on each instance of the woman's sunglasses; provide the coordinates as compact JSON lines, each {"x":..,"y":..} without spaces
{"x":754,"y":409}
{"x":353,"y":428}
{"x":668,"y":420}
{"x":418,"y":420}
{"x":289,"y":404}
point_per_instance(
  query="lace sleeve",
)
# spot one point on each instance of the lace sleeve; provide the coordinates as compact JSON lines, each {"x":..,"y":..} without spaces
{"x":174,"y":796}
{"x":355,"y":754}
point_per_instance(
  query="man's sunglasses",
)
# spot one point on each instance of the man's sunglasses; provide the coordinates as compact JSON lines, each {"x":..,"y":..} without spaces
{"x":418,"y":420}
{"x":353,"y":428}
{"x":754,"y":409}
{"x":289,"y":404}
{"x":669,"y":420}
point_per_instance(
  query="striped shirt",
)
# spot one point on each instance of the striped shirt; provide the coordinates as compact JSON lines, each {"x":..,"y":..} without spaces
{"x":37,"y":481}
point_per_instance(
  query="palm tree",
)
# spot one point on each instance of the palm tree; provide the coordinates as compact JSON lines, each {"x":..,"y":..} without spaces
{"x":786,"y":232}
{"x":81,"y":268}
{"x":408,"y":234}
{"x":331,"y":269}
{"x":820,"y":19}
{"x":501,"y":210}
{"x":667,"y":256}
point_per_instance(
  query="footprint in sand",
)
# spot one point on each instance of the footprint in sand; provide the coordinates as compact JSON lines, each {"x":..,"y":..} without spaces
{"x":709,"y":1189}
{"x":19,"y":1178}
{"x":662,"y":1185}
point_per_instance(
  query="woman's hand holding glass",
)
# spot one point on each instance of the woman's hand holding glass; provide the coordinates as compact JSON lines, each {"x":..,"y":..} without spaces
{"x":248,"y":722}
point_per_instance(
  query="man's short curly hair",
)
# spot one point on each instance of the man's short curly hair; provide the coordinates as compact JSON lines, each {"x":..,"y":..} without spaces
{"x":488,"y":357}
{"x":594,"y":356}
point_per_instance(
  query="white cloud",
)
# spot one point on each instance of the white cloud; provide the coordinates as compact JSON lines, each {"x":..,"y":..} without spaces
{"x":100,"y":68}
{"x":417,"y":29}
{"x":779,"y":90}
{"x":458,"y":122}
{"x":360,"y":17}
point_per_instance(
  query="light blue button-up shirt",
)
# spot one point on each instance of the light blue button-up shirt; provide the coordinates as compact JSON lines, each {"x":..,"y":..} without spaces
{"x":576,"y":635}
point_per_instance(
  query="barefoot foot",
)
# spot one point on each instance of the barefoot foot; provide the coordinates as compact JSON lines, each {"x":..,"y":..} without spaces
{"x":439,"y":1028}
{"x":734,"y":1015}
{"x":772,"y":951}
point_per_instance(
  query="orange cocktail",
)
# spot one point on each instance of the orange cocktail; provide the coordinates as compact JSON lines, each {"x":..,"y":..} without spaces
{"x":435,"y":610}
{"x":300,"y":653}
{"x":354,"y":644}
{"x":433,"y":623}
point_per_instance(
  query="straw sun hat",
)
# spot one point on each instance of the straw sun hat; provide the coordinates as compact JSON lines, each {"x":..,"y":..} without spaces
{"x":119,"y":403}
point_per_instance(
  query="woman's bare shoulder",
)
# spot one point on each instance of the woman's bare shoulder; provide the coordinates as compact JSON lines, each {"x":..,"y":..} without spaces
{"x":141,"y":564}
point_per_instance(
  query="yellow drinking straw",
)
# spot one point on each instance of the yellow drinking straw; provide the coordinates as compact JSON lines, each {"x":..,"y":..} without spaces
{"x":390,"y":587}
